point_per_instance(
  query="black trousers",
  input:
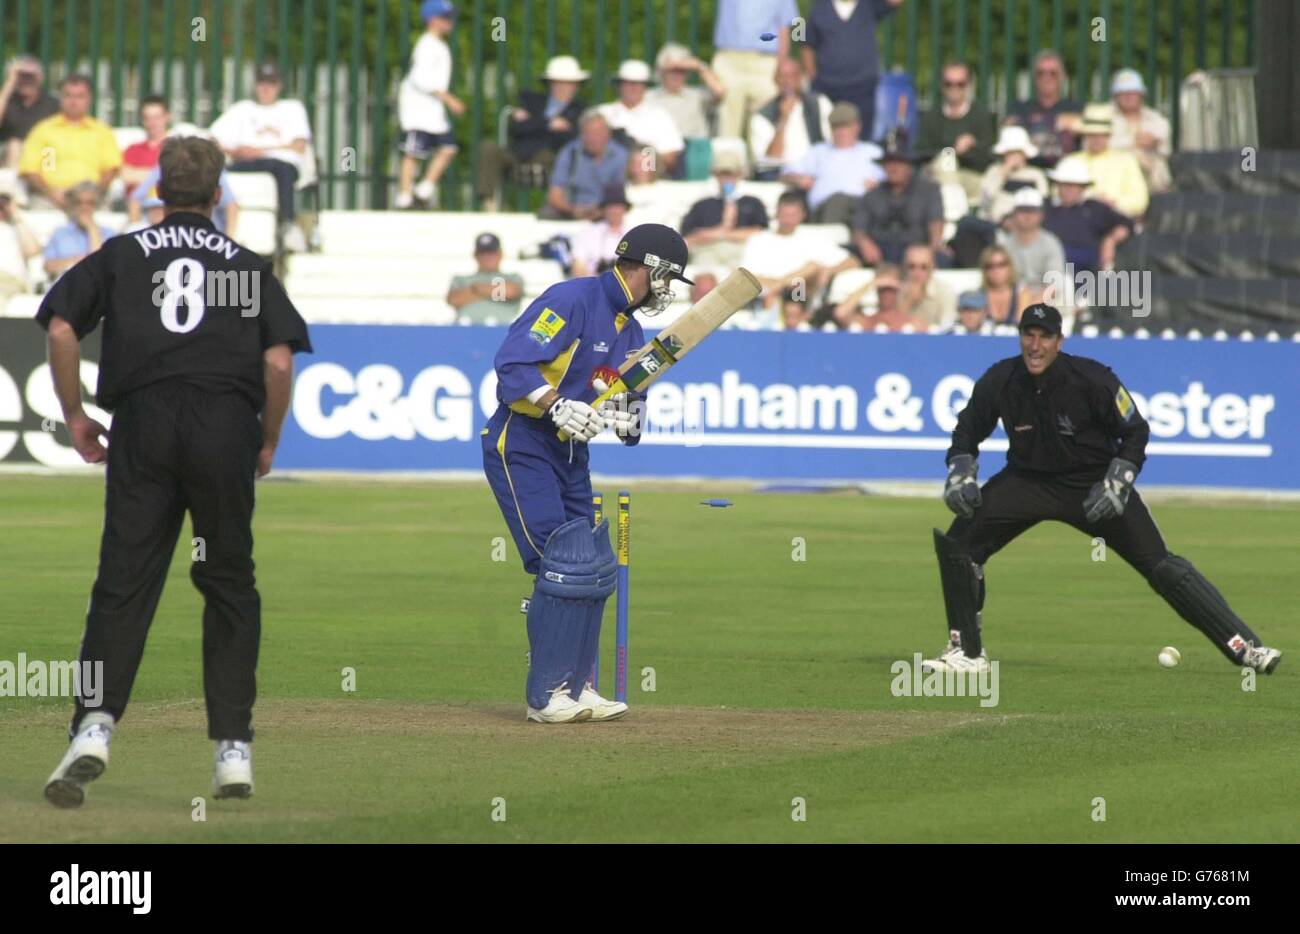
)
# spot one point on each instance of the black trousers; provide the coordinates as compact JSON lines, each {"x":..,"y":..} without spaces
{"x":1015,"y":502}
{"x":173,"y":448}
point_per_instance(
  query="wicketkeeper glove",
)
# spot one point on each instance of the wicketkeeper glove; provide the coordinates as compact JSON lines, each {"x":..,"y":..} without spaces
{"x":962,"y":491}
{"x":577,"y":419}
{"x":1108,"y":497}
{"x":621,"y":411}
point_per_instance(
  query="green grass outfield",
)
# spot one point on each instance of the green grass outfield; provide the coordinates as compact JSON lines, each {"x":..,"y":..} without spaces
{"x":772,"y":681}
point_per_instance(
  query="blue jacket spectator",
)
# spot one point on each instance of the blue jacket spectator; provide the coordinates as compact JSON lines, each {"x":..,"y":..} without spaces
{"x":81,"y":236}
{"x":583,"y":170}
{"x":224,"y":218}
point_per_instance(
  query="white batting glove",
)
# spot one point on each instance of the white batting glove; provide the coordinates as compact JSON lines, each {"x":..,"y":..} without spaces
{"x":577,"y":419}
{"x":620,"y":410}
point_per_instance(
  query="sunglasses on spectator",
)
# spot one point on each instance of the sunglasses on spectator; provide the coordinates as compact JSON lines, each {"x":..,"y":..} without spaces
{"x":1050,"y":72}
{"x":995,"y":264}
{"x":954,"y":84}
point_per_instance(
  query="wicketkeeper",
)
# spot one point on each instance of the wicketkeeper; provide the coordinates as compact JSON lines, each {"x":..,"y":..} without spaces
{"x":560,"y":354}
{"x":1077,"y":443}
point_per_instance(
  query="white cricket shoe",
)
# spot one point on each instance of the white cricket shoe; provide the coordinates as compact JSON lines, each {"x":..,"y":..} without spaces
{"x":1261,"y":658}
{"x":293,"y":240}
{"x":601,"y":708}
{"x":954,"y":659}
{"x":403,"y":201}
{"x":561,"y":708}
{"x":234,"y":773}
{"x":85,"y":761}
{"x":426,"y":192}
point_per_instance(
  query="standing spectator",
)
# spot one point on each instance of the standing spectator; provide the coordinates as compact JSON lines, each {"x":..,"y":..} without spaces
{"x":1088,"y":229}
{"x":962,"y":124}
{"x":487,"y":295}
{"x":1140,"y":129}
{"x":841,"y":56}
{"x":23,"y":104}
{"x":1004,"y":296}
{"x":81,"y":236}
{"x":972,"y":314}
{"x":924,"y":297}
{"x":593,"y":247}
{"x":744,"y":61}
{"x":787,"y":257}
{"x":1036,"y":254}
{"x":584,"y":169}
{"x":540,"y":126}
{"x":907,"y":209}
{"x":422,"y":106}
{"x":269,"y":134}
{"x":1010,"y":173}
{"x":715,"y":229}
{"x":1116,"y":176}
{"x":69,"y":148}
{"x":837,"y":174}
{"x":1050,"y":118}
{"x":139,"y":158}
{"x":18,"y":243}
{"x":787,"y":126}
{"x":690,"y":107}
{"x":641,"y":123}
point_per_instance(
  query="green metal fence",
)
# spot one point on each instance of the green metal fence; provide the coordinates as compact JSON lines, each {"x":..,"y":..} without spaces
{"x":345,"y":58}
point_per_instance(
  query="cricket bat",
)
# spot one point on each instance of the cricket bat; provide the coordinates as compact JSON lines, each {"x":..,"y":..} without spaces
{"x":682,"y":336}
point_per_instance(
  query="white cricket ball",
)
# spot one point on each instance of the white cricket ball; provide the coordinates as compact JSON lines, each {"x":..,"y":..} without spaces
{"x":1169,"y":657}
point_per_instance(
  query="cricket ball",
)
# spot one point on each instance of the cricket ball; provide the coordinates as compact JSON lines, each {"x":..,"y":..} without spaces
{"x":1169,"y":657}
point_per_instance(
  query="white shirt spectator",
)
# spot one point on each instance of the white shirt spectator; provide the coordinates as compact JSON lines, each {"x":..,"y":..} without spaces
{"x":778,"y":255}
{"x":646,"y":123}
{"x":596,"y":243}
{"x":417,"y":107}
{"x":797,"y":144}
{"x":835,"y":171}
{"x":248,"y":123}
{"x":689,"y":109}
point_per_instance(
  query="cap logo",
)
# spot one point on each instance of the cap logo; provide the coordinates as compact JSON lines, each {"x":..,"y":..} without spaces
{"x":1038,"y":312}
{"x":622,"y":247}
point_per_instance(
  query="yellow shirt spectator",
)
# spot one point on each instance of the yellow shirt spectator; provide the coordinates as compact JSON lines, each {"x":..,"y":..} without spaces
{"x":1117,"y":178}
{"x":65,"y":152}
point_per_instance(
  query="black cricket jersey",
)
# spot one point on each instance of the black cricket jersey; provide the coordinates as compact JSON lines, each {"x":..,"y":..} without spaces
{"x":179,"y":300}
{"x":1070,"y":422}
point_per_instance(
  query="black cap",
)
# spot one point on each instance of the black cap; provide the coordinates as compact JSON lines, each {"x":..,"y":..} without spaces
{"x":656,"y":246}
{"x":1041,"y":316}
{"x":487,"y":243}
{"x":614,"y":194}
{"x":268,"y":72}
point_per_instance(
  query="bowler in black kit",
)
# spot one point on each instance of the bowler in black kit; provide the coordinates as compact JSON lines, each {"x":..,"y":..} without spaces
{"x":1077,"y":443}
{"x":197,"y":368}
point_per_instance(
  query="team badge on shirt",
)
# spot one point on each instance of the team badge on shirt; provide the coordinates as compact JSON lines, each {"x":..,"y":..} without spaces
{"x":547,"y":325}
{"x":1124,"y":402}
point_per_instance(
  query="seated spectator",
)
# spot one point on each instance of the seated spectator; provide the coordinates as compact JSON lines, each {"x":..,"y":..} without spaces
{"x":486,"y":295}
{"x":69,"y":148}
{"x":787,"y":258}
{"x":225,"y":217}
{"x":643,"y":125}
{"x":269,"y":134}
{"x":1140,"y":130}
{"x":907,"y":209}
{"x":705,"y":282}
{"x":81,"y":236}
{"x":794,"y":309}
{"x":1034,"y":252}
{"x":540,"y":126}
{"x":960,"y":123}
{"x":972,"y":314}
{"x":783,"y":130}
{"x":924,"y":297}
{"x":18,"y":243}
{"x":837,"y":174}
{"x":583,"y":170}
{"x":151,"y":212}
{"x":715,"y":229}
{"x":1050,"y":118}
{"x":23,"y":104}
{"x":691,"y":107}
{"x":1012,"y":171}
{"x":888,"y":313}
{"x":1116,"y":176}
{"x":139,"y":158}
{"x":422,"y":104}
{"x":1004,"y":296}
{"x":1088,"y":229}
{"x":593,"y":247}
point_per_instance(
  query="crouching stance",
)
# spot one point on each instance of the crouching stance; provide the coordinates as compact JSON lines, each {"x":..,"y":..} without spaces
{"x":560,"y":354}
{"x":1077,"y":443}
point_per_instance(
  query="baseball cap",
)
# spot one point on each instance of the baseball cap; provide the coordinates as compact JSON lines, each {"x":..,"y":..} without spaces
{"x":1027,"y":199}
{"x":487,"y":243}
{"x":430,"y":9}
{"x":1042,"y":316}
{"x":634,"y":70}
{"x":1127,"y":79}
{"x":972,"y":301}
{"x":844,"y":113}
{"x":268,"y":71}
{"x":657,"y":246}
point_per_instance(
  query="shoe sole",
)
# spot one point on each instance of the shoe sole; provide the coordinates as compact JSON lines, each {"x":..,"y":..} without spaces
{"x":576,"y":718}
{"x":614,"y":716}
{"x":69,"y":791}
{"x":1269,"y":668}
{"x":237,"y":790}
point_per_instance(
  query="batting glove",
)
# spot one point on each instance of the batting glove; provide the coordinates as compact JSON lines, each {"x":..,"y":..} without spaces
{"x":1107,"y":498}
{"x":576,"y":419}
{"x":622,"y":411}
{"x":962,"y":491}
